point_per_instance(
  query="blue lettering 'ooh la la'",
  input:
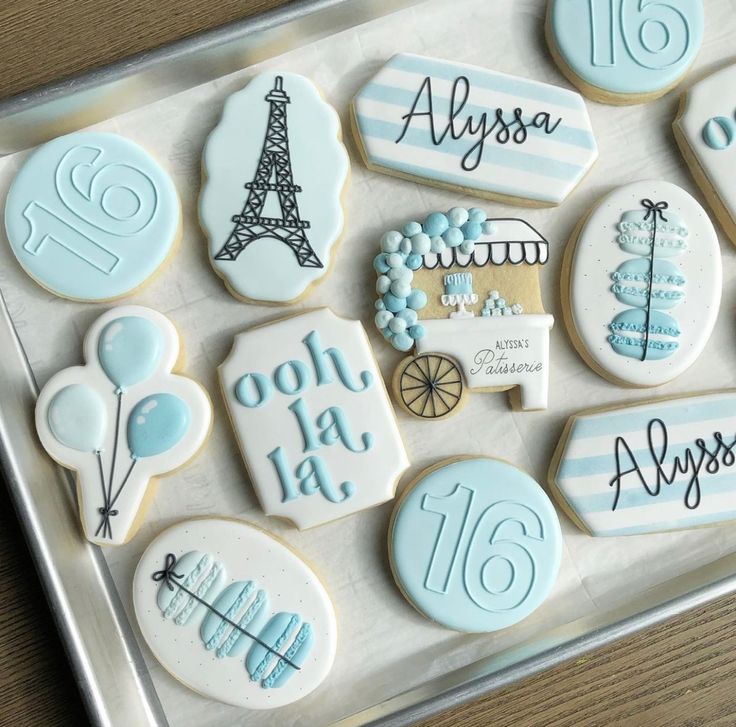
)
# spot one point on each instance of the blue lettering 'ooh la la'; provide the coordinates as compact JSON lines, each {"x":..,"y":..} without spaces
{"x":327,"y":428}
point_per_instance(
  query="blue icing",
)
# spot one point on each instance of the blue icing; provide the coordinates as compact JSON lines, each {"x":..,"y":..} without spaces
{"x":616,"y":46}
{"x":631,"y":283}
{"x":476,"y":545}
{"x":77,"y":417}
{"x":129,"y":350}
{"x":719,"y":133}
{"x":91,"y":216}
{"x":628,"y":330}
{"x":156,"y":424}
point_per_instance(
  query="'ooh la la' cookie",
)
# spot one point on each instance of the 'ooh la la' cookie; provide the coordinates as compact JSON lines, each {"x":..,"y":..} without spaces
{"x":664,"y":464}
{"x":312,"y":418}
{"x":122,"y":419}
{"x":274,"y":169}
{"x":234,"y":614}
{"x":463,"y":292}
{"x":705,"y":129}
{"x":91,"y":216}
{"x":467,"y":128}
{"x":642,"y":284}
{"x":624,"y":51}
{"x":475,"y":544}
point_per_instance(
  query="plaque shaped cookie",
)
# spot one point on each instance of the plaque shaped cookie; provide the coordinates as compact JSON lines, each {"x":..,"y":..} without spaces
{"x":641,"y":284}
{"x":274,"y":169}
{"x":312,"y":418}
{"x":91,"y":216}
{"x":625,"y":51}
{"x":705,"y":129}
{"x":234,"y":614}
{"x":474,"y":130}
{"x":462,"y":292}
{"x":122,"y":419}
{"x":664,"y":464}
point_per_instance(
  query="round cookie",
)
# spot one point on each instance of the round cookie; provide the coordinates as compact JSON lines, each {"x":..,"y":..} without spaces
{"x":91,"y":216}
{"x":641,"y":284}
{"x":281,"y":141}
{"x":475,"y":544}
{"x":624,"y":51}
{"x":122,"y":418}
{"x":234,"y":614}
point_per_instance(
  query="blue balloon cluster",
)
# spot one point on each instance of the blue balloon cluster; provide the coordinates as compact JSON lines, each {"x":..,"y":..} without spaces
{"x":403,"y":252}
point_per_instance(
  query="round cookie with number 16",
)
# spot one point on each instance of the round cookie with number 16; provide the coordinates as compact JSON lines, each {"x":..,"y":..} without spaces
{"x":624,"y":51}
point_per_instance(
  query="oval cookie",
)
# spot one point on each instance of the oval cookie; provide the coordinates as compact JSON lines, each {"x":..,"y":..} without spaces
{"x":274,"y":169}
{"x":234,"y":614}
{"x":91,"y":216}
{"x":642,"y":284}
{"x":475,"y":544}
{"x":624,"y":51}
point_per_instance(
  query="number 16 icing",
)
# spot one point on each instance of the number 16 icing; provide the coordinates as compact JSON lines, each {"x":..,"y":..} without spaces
{"x":122,"y":418}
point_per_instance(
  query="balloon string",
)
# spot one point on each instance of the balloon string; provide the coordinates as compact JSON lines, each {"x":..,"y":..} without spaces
{"x":102,"y":479}
{"x":123,"y":483}
{"x":106,"y":509}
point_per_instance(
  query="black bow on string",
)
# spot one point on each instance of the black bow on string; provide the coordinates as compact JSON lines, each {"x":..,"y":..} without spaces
{"x":167,"y":572}
{"x":654,"y":209}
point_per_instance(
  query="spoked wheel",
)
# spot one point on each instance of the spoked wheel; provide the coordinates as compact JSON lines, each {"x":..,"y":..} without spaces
{"x":429,"y":386}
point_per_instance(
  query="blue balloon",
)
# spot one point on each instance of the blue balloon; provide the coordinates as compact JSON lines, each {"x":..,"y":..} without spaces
{"x":77,"y":418}
{"x":156,"y":424}
{"x":129,"y":350}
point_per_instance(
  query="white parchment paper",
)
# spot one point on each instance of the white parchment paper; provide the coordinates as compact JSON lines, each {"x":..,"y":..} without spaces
{"x":385,"y":647}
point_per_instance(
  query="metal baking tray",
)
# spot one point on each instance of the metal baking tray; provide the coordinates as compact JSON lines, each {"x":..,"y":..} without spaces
{"x":108,"y":665}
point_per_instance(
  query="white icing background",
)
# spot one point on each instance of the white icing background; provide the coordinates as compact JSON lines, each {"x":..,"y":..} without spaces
{"x":384,"y":646}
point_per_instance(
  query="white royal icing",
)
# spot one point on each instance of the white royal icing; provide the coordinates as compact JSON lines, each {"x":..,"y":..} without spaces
{"x":164,"y":418}
{"x":312,"y":418}
{"x":275,"y":162}
{"x":608,"y":297}
{"x":254,"y":581}
{"x":485,"y":132}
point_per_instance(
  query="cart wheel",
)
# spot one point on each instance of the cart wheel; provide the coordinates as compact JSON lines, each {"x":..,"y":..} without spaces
{"x":429,"y":386}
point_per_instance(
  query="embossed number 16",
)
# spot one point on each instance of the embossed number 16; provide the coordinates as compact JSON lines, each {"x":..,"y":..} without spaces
{"x":494,"y":539}
{"x":655,"y":34}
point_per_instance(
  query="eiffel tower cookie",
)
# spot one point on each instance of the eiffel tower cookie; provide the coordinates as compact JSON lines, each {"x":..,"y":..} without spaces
{"x":274,"y":169}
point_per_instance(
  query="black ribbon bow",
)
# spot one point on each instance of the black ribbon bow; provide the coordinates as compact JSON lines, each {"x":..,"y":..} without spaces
{"x":167,"y":573}
{"x":654,"y":209}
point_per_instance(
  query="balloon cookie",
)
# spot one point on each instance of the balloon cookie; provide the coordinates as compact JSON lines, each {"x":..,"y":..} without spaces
{"x":234,"y":614}
{"x":312,"y":418}
{"x":274,"y":169}
{"x":91,"y":216}
{"x":475,"y":131}
{"x":641,"y":284}
{"x":664,"y":464}
{"x":624,"y":51}
{"x":428,"y":275}
{"x":475,"y":544}
{"x":122,"y":418}
{"x":705,"y":129}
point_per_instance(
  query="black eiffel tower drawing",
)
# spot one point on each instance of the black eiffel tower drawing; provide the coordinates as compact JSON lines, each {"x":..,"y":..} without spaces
{"x":272,"y":175}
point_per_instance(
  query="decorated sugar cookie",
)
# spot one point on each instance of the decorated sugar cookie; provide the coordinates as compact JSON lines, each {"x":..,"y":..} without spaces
{"x":462,"y":292}
{"x":122,"y":418}
{"x":234,"y":614}
{"x":475,"y":544}
{"x":274,"y":169}
{"x":466,"y":128}
{"x":312,"y":418}
{"x":663,"y":464}
{"x":641,"y":284}
{"x":705,"y":129}
{"x":624,"y":51}
{"x":91,"y":216}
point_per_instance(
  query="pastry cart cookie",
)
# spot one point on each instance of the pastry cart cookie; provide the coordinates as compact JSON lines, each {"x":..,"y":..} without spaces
{"x":91,"y":216}
{"x":473,"y":130}
{"x":234,"y":614}
{"x":624,"y":51}
{"x":705,"y":129}
{"x":641,"y":284}
{"x":273,"y":172}
{"x":663,"y":464}
{"x":475,"y":544}
{"x":122,"y":418}
{"x":462,"y":293}
{"x":312,"y":418}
